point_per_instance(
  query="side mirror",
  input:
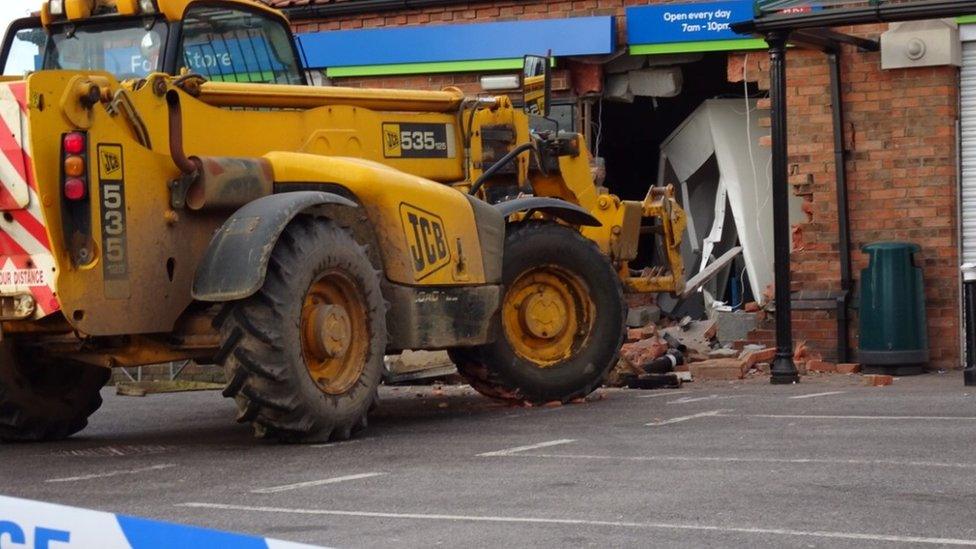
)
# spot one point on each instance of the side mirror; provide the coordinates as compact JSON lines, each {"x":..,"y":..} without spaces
{"x":149,"y":46}
{"x":536,"y":85}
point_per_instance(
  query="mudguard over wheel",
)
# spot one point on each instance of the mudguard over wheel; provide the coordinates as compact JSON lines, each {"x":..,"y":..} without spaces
{"x":561,"y":322}
{"x":46,"y":400}
{"x":304,"y":355}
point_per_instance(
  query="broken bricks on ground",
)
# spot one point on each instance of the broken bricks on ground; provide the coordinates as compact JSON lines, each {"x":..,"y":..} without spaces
{"x":663,"y":352}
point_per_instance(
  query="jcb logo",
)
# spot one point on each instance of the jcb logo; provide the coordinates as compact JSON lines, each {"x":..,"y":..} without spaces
{"x":426,"y":239}
{"x":391,"y":141}
{"x":109,"y":161}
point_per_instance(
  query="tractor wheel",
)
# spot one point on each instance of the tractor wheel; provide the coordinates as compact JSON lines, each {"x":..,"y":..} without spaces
{"x":561,"y":322}
{"x":304,"y":355}
{"x":42,"y":400}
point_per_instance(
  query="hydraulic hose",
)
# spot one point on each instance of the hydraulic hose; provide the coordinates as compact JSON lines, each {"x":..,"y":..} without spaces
{"x":510,"y":156}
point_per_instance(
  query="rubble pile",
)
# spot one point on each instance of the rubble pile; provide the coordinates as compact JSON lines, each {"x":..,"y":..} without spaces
{"x":661,"y":352}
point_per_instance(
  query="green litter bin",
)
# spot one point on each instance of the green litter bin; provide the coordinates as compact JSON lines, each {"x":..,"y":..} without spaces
{"x":892,"y":338}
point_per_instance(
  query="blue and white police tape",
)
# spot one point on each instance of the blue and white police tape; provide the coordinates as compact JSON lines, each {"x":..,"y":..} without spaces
{"x":26,"y":523}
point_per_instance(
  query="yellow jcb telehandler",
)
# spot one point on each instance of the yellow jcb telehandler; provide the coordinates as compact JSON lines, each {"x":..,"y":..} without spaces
{"x":171,"y":188}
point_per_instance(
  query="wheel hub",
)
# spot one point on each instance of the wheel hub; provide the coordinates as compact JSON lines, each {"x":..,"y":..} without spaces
{"x":544,"y":313}
{"x":330,"y":331}
{"x":547,"y":314}
{"x":335,"y":332}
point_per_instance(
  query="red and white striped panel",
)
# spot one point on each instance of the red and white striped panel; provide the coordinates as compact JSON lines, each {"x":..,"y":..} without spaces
{"x":26,"y":261}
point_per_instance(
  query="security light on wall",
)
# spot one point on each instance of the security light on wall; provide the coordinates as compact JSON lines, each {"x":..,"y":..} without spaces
{"x":500,"y":82}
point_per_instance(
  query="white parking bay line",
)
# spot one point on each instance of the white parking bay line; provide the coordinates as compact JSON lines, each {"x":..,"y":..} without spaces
{"x":669,"y":392}
{"x":815,"y":395}
{"x":510,"y":451}
{"x":686,"y":400}
{"x":712,"y":413}
{"x":310,"y":483}
{"x":768,"y":460}
{"x":107,"y":474}
{"x":883,"y":418}
{"x":334,"y":444}
{"x":858,"y":536}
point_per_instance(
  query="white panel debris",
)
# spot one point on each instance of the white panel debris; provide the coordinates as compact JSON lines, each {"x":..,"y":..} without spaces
{"x":727,"y":130}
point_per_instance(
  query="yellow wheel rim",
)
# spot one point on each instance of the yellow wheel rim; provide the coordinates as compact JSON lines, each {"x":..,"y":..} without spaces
{"x":335,"y":332}
{"x":547,"y":315}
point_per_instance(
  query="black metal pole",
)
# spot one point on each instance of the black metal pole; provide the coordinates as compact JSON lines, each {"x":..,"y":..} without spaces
{"x":969,"y":286}
{"x":783,"y":369}
{"x":843,"y":216}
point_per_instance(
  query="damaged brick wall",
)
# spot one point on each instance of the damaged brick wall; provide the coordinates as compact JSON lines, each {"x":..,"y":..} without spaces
{"x":900,"y":131}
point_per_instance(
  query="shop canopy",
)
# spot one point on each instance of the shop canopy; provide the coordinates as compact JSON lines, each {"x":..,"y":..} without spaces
{"x":427,"y":49}
{"x":793,"y":15}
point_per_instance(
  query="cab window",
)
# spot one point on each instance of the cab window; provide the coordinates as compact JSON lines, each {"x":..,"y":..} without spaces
{"x":236,"y":45}
{"x":127,"y":48}
{"x":25,"y":52}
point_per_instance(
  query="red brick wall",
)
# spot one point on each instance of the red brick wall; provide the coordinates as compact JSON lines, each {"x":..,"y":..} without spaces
{"x":900,"y":129}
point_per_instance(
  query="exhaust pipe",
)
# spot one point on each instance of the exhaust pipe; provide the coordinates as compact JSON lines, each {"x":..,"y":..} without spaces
{"x":213,"y":182}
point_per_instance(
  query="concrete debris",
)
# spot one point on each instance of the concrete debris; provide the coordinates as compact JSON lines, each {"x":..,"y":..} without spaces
{"x":718,"y":369}
{"x":723,"y":352}
{"x":643,"y":315}
{"x":657,"y":82}
{"x":749,"y":348}
{"x":734,"y":325}
{"x":595,"y":396}
{"x":696,"y":335}
{"x":411,"y":366}
{"x":625,"y":63}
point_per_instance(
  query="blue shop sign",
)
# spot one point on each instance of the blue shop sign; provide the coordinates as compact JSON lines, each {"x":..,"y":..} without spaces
{"x":670,"y":23}
{"x":464,"y":42}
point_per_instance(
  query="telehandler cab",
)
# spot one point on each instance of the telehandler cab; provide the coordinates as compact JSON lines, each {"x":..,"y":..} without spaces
{"x":171,"y":188}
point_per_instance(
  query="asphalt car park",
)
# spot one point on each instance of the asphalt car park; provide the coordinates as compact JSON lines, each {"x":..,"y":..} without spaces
{"x":828,"y":462}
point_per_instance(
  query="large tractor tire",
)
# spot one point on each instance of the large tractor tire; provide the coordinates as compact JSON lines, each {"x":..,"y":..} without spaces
{"x":304,"y":355}
{"x":561,"y":322}
{"x":44,"y":399}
